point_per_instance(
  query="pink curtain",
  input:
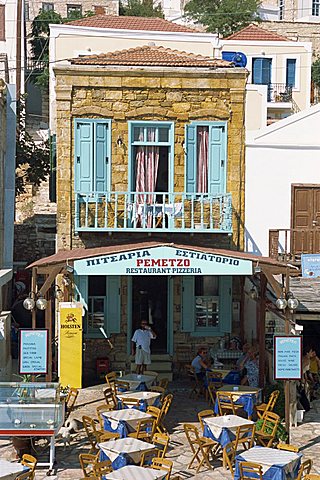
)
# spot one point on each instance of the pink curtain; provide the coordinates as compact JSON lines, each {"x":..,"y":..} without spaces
{"x":147,"y":163}
{"x":202,"y":161}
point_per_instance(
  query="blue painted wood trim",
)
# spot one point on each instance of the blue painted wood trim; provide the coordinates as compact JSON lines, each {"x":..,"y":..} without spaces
{"x":129,"y":314}
{"x":170,"y":316}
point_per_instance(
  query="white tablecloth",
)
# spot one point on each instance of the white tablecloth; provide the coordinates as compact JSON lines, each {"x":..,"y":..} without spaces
{"x":231,"y":422}
{"x":267,"y":457}
{"x":134,"y":380}
{"x":148,"y":397}
{"x":132,"y":446}
{"x":132,"y":472}
{"x":10,"y":471}
{"x":128,"y":415}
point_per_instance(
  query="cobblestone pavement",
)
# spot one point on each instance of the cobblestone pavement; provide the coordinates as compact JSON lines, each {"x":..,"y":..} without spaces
{"x":183,"y":410}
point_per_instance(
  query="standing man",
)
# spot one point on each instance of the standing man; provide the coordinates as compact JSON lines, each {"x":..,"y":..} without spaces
{"x":141,"y":346}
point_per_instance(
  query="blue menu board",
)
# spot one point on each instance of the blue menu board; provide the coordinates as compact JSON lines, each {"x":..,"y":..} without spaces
{"x":287,"y":357}
{"x":33,"y":351}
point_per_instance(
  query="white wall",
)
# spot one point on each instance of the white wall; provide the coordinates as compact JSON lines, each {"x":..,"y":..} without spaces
{"x":276,"y":157}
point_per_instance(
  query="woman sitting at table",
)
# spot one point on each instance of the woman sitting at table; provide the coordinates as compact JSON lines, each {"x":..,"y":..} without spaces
{"x":200,"y":363}
{"x":251,"y":364}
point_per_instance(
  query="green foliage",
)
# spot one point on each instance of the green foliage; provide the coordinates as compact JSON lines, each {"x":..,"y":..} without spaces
{"x":281,"y":433}
{"x":140,"y":8}
{"x":223,"y":16}
{"x":32,"y":159}
{"x":315,"y":72}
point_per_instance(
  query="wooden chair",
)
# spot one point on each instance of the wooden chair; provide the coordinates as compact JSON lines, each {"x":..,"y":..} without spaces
{"x":226,"y":404}
{"x":25,"y":476}
{"x":161,"y":442}
{"x":304,"y":469}
{"x":268,"y":407}
{"x":312,"y":476}
{"x":163,"y":383}
{"x":158,"y":389}
{"x":92,"y":429}
{"x":156,"y":414}
{"x":211,"y":393}
{"x":110,"y":378}
{"x":100,"y":409}
{"x":162,"y":464}
{"x":110,"y":398}
{"x":244,"y":436}
{"x":104,"y":436}
{"x":228,"y":456}
{"x":71,"y":400}
{"x":145,"y":430}
{"x":288,"y":447}
{"x":102,"y":468}
{"x":164,"y":410}
{"x":119,"y":386}
{"x":215,"y":378}
{"x":29,"y":461}
{"x":87,"y":460}
{"x":130,"y":403}
{"x":201,"y":447}
{"x":249,"y":470}
{"x":196,"y":387}
{"x":267,"y":434}
{"x":204,"y":414}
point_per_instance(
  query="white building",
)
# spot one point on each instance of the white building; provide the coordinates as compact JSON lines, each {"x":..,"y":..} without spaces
{"x":283,"y":186}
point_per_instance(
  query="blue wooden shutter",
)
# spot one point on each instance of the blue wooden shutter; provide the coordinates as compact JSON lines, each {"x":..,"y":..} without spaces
{"x":84,"y":156}
{"x":266,"y":71}
{"x":191,"y":158}
{"x":217,"y":159}
{"x":188,"y":305}
{"x":113,"y":307}
{"x":81,"y":289}
{"x":225,"y":301}
{"x":291,"y":72}
{"x":101,"y":156}
{"x":257,"y":70}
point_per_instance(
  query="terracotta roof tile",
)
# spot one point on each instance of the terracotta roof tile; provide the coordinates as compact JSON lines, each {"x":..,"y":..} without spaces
{"x":252,"y":32}
{"x":131,"y":23}
{"x":151,"y":56}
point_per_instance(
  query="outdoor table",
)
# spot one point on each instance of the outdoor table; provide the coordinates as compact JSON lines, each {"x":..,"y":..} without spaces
{"x":138,"y":382}
{"x":124,"y":451}
{"x":242,"y":395}
{"x":133,"y":472}
{"x":10,"y":471}
{"x":123,"y":421}
{"x":223,"y":429}
{"x":145,"y":399}
{"x":276,"y":464}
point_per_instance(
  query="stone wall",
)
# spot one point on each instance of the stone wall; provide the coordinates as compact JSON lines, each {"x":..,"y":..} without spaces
{"x":297,"y":31}
{"x":180,"y":96}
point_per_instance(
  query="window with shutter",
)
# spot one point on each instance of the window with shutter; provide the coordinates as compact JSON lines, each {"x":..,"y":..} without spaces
{"x":291,"y":72}
{"x":92,"y":155}
{"x":261,"y":71}
{"x":206,"y":157}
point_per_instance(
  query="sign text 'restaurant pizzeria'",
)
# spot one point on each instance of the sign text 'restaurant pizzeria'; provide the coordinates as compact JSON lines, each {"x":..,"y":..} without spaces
{"x":163,"y":261}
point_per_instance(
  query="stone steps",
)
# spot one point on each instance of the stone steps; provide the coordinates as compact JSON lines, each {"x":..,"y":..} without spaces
{"x":161,"y":364}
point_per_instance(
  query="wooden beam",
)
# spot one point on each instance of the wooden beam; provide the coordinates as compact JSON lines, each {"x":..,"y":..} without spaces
{"x":277,"y":287}
{"x":34,"y":290}
{"x":262,"y":330}
{"x":48,"y":325}
{"x":49,"y":280}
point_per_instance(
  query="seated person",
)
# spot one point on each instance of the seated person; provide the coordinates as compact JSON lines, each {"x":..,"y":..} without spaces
{"x":200,"y":363}
{"x":251,"y":364}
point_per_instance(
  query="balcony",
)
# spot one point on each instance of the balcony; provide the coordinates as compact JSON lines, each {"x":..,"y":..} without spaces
{"x":288,"y":244}
{"x":279,"y":93}
{"x":167,"y":212}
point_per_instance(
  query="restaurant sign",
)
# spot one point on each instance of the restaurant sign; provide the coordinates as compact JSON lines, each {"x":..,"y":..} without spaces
{"x":33,"y":358}
{"x":310,"y":265}
{"x":287,"y":357}
{"x":163,"y":261}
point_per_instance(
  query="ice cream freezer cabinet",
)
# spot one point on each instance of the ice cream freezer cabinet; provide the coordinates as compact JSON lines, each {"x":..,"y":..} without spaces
{"x":32,"y":410}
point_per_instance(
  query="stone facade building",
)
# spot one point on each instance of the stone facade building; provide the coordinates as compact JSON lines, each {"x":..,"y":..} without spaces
{"x":113,"y":109}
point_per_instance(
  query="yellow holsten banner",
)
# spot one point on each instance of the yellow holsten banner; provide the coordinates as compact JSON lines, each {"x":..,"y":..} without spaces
{"x":70,"y":351}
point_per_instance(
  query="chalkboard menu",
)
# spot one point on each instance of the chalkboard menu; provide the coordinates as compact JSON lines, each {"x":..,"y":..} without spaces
{"x":33,"y":351}
{"x":287,"y":357}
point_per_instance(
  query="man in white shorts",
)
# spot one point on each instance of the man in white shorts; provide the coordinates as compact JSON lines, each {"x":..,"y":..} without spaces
{"x":141,"y":346}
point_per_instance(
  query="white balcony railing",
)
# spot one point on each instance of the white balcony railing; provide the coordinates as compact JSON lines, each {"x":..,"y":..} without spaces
{"x":171,"y":212}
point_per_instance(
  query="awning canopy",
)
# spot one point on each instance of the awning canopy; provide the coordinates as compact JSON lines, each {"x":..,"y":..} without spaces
{"x":114,"y":253}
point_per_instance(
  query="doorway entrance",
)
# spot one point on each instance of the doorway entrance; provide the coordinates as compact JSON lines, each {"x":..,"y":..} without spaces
{"x":150,"y":302}
{"x":305,"y":219}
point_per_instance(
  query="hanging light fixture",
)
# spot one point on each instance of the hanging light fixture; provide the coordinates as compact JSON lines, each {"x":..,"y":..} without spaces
{"x":41,"y":303}
{"x":293,"y":302}
{"x":253,"y":294}
{"x":29,"y":302}
{"x":66,"y":280}
{"x":281,"y":302}
{"x":58,"y":293}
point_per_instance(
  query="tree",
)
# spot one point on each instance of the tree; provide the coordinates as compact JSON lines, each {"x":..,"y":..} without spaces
{"x":315,"y":72}
{"x":223,"y":16}
{"x":32,"y":158}
{"x":140,"y":8}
